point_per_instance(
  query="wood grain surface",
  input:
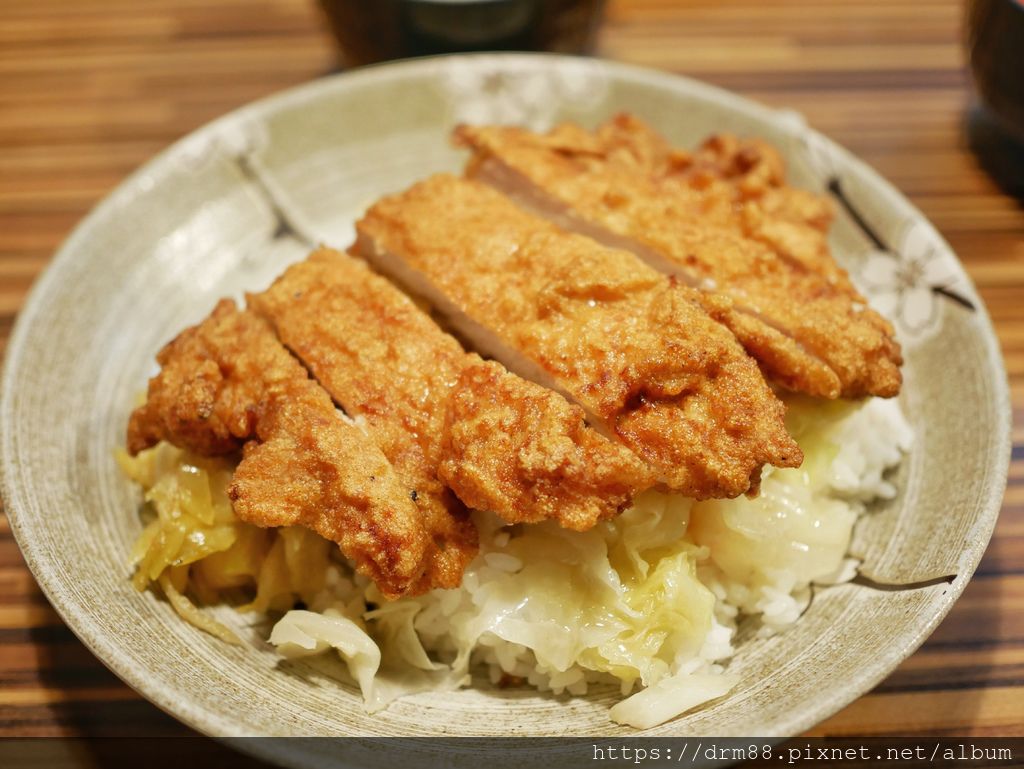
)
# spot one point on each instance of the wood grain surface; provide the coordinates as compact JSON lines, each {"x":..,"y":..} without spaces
{"x":90,"y":89}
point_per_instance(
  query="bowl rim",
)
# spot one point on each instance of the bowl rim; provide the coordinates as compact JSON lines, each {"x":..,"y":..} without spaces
{"x":213,"y":723}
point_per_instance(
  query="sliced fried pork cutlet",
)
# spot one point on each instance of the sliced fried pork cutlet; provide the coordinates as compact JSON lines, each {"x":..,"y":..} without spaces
{"x":426,"y":404}
{"x":723,"y":220}
{"x":368,"y":350}
{"x":228,"y":384}
{"x":631,"y":346}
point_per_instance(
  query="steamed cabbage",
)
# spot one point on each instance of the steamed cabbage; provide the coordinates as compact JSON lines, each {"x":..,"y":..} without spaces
{"x":649,"y":599}
{"x":193,"y":546}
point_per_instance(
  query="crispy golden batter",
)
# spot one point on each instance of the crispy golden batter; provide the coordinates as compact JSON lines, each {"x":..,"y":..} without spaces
{"x":385,"y":360}
{"x":228,"y":384}
{"x":501,"y":429}
{"x":721,"y":218}
{"x":195,"y":402}
{"x":629,"y":345}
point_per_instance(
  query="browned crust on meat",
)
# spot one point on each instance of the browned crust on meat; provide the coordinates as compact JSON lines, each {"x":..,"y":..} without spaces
{"x":726,"y":219}
{"x":632,"y":347}
{"x":386,"y":362}
{"x":204,"y":399}
{"x":228,"y":384}
{"x":501,"y":428}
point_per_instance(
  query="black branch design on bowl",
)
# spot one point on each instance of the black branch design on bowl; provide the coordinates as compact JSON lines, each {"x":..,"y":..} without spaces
{"x":908,"y":268}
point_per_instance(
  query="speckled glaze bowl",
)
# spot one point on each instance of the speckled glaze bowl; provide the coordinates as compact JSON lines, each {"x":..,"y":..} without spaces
{"x":224,"y":210}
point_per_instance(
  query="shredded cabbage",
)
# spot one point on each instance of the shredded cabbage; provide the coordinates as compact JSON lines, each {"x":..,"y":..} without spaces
{"x":555,"y":607}
{"x":796,"y":529}
{"x":649,"y":598}
{"x":671,"y":696}
{"x":193,"y":545}
{"x":304,"y":633}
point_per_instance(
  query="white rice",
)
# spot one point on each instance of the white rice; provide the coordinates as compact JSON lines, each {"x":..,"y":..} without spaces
{"x":650,"y":600}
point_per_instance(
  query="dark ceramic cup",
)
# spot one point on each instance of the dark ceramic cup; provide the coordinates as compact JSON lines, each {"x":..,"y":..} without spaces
{"x":995,"y":126}
{"x":995,"y":47}
{"x":376,"y":30}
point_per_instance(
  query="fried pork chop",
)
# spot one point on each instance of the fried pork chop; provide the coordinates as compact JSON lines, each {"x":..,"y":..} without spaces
{"x":526,"y":453}
{"x":228,"y":384}
{"x":723,"y":220}
{"x":631,"y":346}
{"x":443,"y":417}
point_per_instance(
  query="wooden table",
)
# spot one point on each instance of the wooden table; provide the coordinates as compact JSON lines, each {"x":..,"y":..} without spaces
{"x":90,"y":89}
